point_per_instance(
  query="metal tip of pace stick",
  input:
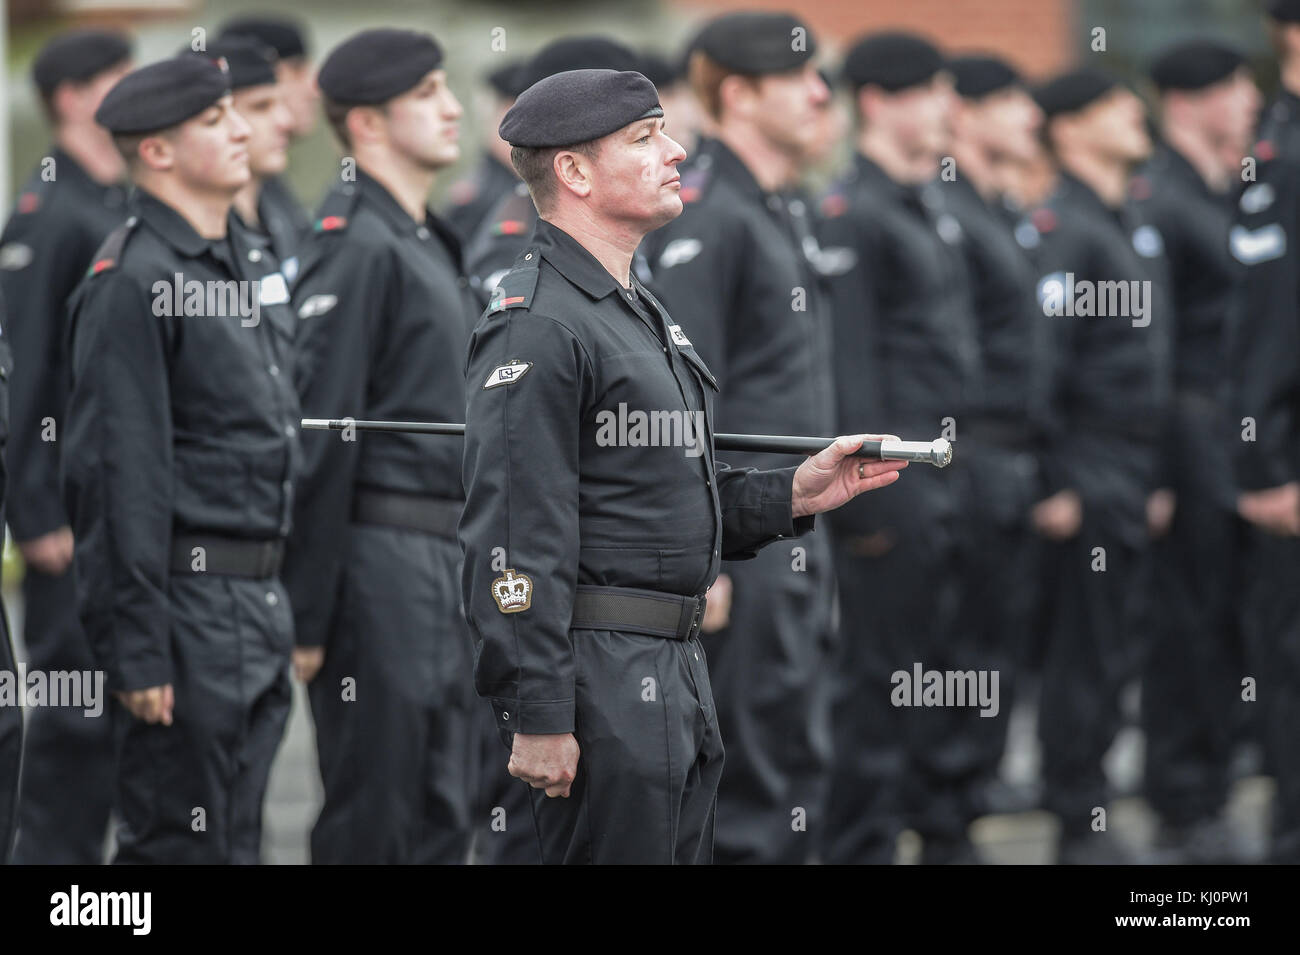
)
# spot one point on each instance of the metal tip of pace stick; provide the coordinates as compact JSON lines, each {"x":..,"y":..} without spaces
{"x":941,"y":452}
{"x":315,"y":424}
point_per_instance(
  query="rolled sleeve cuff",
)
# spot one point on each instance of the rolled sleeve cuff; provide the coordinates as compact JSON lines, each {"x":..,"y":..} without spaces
{"x":522,"y":716}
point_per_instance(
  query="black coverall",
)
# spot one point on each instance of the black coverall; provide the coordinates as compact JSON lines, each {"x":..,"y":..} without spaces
{"x":182,"y":453}
{"x":68,"y":766}
{"x":1191,"y":681}
{"x":907,"y":360}
{"x":1265,"y":378}
{"x":556,"y":495}
{"x":11,"y":717}
{"x":1108,"y":388}
{"x":373,"y":568}
{"x":732,"y":270}
{"x":475,"y":196}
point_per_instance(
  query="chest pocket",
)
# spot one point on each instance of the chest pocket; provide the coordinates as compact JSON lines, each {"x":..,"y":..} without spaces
{"x":697,"y":363}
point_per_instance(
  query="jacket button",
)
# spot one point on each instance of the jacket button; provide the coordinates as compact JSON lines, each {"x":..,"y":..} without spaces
{"x":271,"y":598}
{"x":505,"y":715}
{"x":255,"y":255}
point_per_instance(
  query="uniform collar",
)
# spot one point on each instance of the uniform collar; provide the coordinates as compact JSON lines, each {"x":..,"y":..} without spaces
{"x":378,"y":196}
{"x":71,"y":171}
{"x":1168,"y":161}
{"x":725,"y":166}
{"x":1079,"y":191}
{"x":869,"y":173}
{"x":573,"y":261}
{"x":170,"y":224}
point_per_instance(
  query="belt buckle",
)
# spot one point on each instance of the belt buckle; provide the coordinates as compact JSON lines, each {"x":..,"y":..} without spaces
{"x":698,"y":618}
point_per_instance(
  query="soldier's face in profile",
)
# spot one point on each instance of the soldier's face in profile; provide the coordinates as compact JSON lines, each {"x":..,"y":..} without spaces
{"x":297,"y":78}
{"x":209,"y":152}
{"x":634,"y":174}
{"x":1007,"y":121}
{"x":788,"y":108}
{"x":1230,"y":111}
{"x":266,"y":110}
{"x":424,"y":122}
{"x":920,"y":117}
{"x":1116,"y":126}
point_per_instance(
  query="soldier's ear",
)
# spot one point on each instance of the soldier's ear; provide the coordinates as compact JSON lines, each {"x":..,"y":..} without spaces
{"x":573,"y":171}
{"x":156,"y":152}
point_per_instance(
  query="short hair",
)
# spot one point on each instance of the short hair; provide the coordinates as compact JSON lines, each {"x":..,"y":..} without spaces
{"x":706,"y":75}
{"x":535,"y":167}
{"x":336,"y":114}
{"x":128,"y":144}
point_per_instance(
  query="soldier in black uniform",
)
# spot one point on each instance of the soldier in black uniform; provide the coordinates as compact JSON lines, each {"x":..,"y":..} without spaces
{"x":907,"y":351}
{"x":733,"y":270}
{"x":474,"y":197}
{"x":1192,"y":682}
{"x":1103,"y":297}
{"x":995,"y":126}
{"x":64,"y":211}
{"x":11,"y":717}
{"x":1264,"y":371}
{"x":279,"y":211}
{"x":385,"y":313}
{"x":587,"y":547}
{"x":269,"y":235}
{"x":182,"y":452}
{"x":503,"y":233}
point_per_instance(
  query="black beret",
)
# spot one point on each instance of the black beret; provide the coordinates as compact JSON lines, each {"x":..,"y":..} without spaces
{"x":578,"y":106}
{"x":978,"y":76}
{"x":161,"y":95}
{"x":1073,"y":91}
{"x":251,"y":63}
{"x":77,"y":56}
{"x":1288,"y":11}
{"x":578,"y":53}
{"x":756,"y":43}
{"x":375,"y":65}
{"x":892,"y":61}
{"x":283,"y":36}
{"x":659,"y":70}
{"x":506,"y":80}
{"x":1194,"y":65}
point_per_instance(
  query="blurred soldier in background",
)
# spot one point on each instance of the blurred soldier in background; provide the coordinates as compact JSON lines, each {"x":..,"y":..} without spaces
{"x":681,"y":109}
{"x":182,"y":452}
{"x":504,"y":233}
{"x":1191,"y":683}
{"x":476,"y":195}
{"x":1265,"y":376}
{"x":11,"y":716}
{"x":295,"y":80}
{"x":64,"y":211}
{"x":733,"y":273}
{"x":1108,"y":391}
{"x":374,"y":565}
{"x":995,"y":125}
{"x":271,"y":239}
{"x":907,"y":353}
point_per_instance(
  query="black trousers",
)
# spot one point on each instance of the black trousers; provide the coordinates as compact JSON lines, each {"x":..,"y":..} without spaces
{"x":192,"y":792}
{"x":770,"y":674}
{"x":394,"y":706}
{"x":11,"y":748}
{"x":650,"y":761}
{"x":67,"y":784}
{"x":897,"y":767}
{"x":1272,"y":602}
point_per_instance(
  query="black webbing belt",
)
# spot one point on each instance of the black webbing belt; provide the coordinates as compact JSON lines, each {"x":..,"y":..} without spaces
{"x":431,"y":515}
{"x":229,"y":556}
{"x":637,"y":611}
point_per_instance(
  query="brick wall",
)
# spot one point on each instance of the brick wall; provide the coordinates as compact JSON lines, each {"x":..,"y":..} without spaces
{"x":1038,"y":36}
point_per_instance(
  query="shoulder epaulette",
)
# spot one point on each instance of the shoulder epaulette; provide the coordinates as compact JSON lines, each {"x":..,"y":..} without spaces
{"x":514,"y":214}
{"x":336,"y":210}
{"x":109,"y":253}
{"x":516,"y":288}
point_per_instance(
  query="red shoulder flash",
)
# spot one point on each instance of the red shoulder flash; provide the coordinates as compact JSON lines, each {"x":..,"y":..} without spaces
{"x":1264,"y":150}
{"x":330,"y":223}
{"x":508,"y":227}
{"x":834,"y":205}
{"x":1044,"y":220}
{"x":28,"y":202}
{"x":101,"y":265}
{"x":689,"y":193}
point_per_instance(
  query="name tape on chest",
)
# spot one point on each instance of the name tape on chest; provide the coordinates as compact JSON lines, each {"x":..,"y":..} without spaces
{"x":507,"y":374}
